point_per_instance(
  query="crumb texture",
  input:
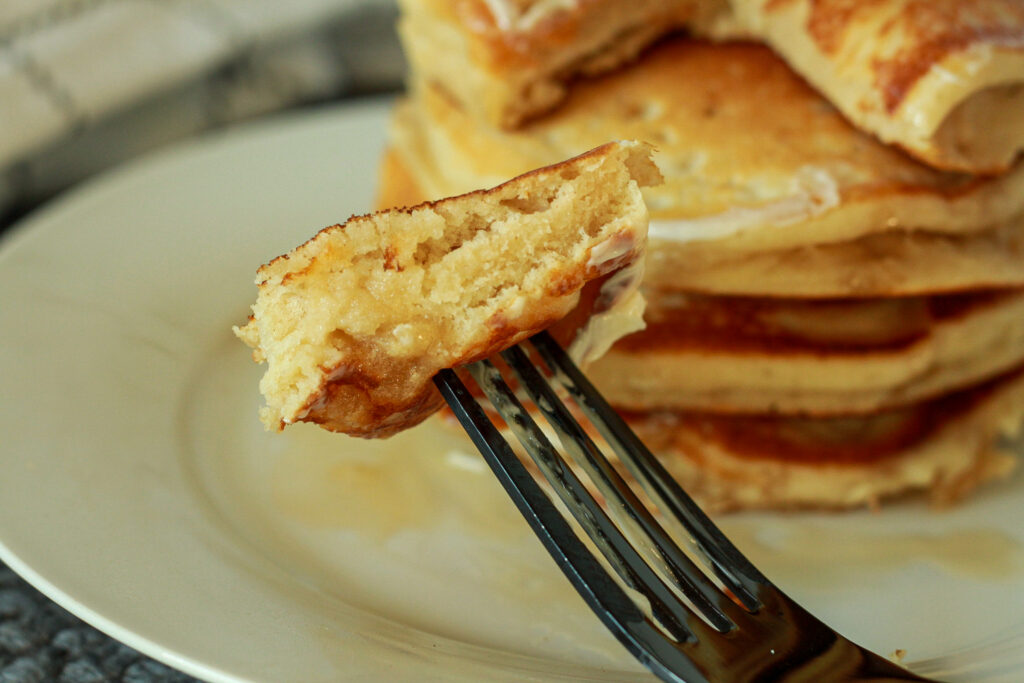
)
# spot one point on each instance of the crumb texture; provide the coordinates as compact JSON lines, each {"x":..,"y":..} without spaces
{"x":354,"y":323}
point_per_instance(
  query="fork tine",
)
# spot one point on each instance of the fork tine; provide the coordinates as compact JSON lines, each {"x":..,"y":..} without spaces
{"x":777,"y":640}
{"x":729,"y":564}
{"x":621,"y":554}
{"x":601,"y":593}
{"x":705,"y":597}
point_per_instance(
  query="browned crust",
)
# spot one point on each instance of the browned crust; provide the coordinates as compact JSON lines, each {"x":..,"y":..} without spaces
{"x":527,"y":59}
{"x":367,"y":390}
{"x":929,"y":31}
{"x":561,"y":167}
{"x":354,"y":407}
{"x":894,"y":460}
{"x":836,"y":441}
{"x":892,"y":174}
{"x":560,"y":28}
{"x":742,"y":324}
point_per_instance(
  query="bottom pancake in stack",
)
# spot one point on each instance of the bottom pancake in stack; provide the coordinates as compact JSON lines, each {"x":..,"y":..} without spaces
{"x":945,"y":447}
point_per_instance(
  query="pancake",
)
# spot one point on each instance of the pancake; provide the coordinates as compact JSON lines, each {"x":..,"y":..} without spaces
{"x":944,"y":448}
{"x":508,"y":60}
{"x":943,"y":79}
{"x":396,"y":188}
{"x":754,"y":160}
{"x":354,"y":323}
{"x":830,"y":357}
{"x":891,"y":263}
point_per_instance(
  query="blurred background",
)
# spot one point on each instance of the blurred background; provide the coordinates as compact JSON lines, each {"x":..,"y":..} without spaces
{"x":86,"y":85}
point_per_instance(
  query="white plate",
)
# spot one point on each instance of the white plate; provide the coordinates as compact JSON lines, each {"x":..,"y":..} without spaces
{"x":139,"y":491}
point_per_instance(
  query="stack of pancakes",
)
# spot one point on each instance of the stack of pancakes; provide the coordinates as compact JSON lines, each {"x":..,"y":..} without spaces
{"x":835,"y":275}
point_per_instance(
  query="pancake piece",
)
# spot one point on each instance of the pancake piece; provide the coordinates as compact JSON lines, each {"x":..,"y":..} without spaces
{"x":946,"y":448}
{"x":354,"y":323}
{"x":754,"y":160}
{"x":944,"y":79}
{"x":509,"y":60}
{"x":828,"y":357}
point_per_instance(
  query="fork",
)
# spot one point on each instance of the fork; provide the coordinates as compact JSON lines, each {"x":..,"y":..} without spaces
{"x":728,"y":623}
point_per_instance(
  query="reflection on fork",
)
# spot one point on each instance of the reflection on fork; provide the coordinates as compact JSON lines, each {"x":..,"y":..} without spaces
{"x":725,"y":623}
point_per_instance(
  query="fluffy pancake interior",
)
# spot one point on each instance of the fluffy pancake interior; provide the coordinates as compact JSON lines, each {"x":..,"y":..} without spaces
{"x":363,"y":315}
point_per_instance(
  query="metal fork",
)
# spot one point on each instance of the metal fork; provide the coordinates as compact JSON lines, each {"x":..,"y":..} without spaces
{"x":728,"y":624}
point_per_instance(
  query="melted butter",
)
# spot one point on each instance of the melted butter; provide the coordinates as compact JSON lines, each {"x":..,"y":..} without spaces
{"x":827,"y":557}
{"x":421,"y":479}
{"x":814,"y":191}
{"x":519,"y":17}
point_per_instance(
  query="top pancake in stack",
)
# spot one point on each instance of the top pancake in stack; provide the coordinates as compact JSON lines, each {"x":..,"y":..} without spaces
{"x":858,"y":310}
{"x":513,"y":58}
{"x":943,"y":79}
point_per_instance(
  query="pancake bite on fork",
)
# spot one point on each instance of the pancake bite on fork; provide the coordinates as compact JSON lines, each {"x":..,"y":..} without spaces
{"x":354,"y":323}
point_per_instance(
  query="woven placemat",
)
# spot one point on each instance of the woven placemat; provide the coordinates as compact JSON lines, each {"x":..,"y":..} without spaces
{"x":41,"y":642}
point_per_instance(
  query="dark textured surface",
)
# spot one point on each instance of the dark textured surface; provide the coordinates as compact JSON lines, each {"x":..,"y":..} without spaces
{"x":40,"y":642}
